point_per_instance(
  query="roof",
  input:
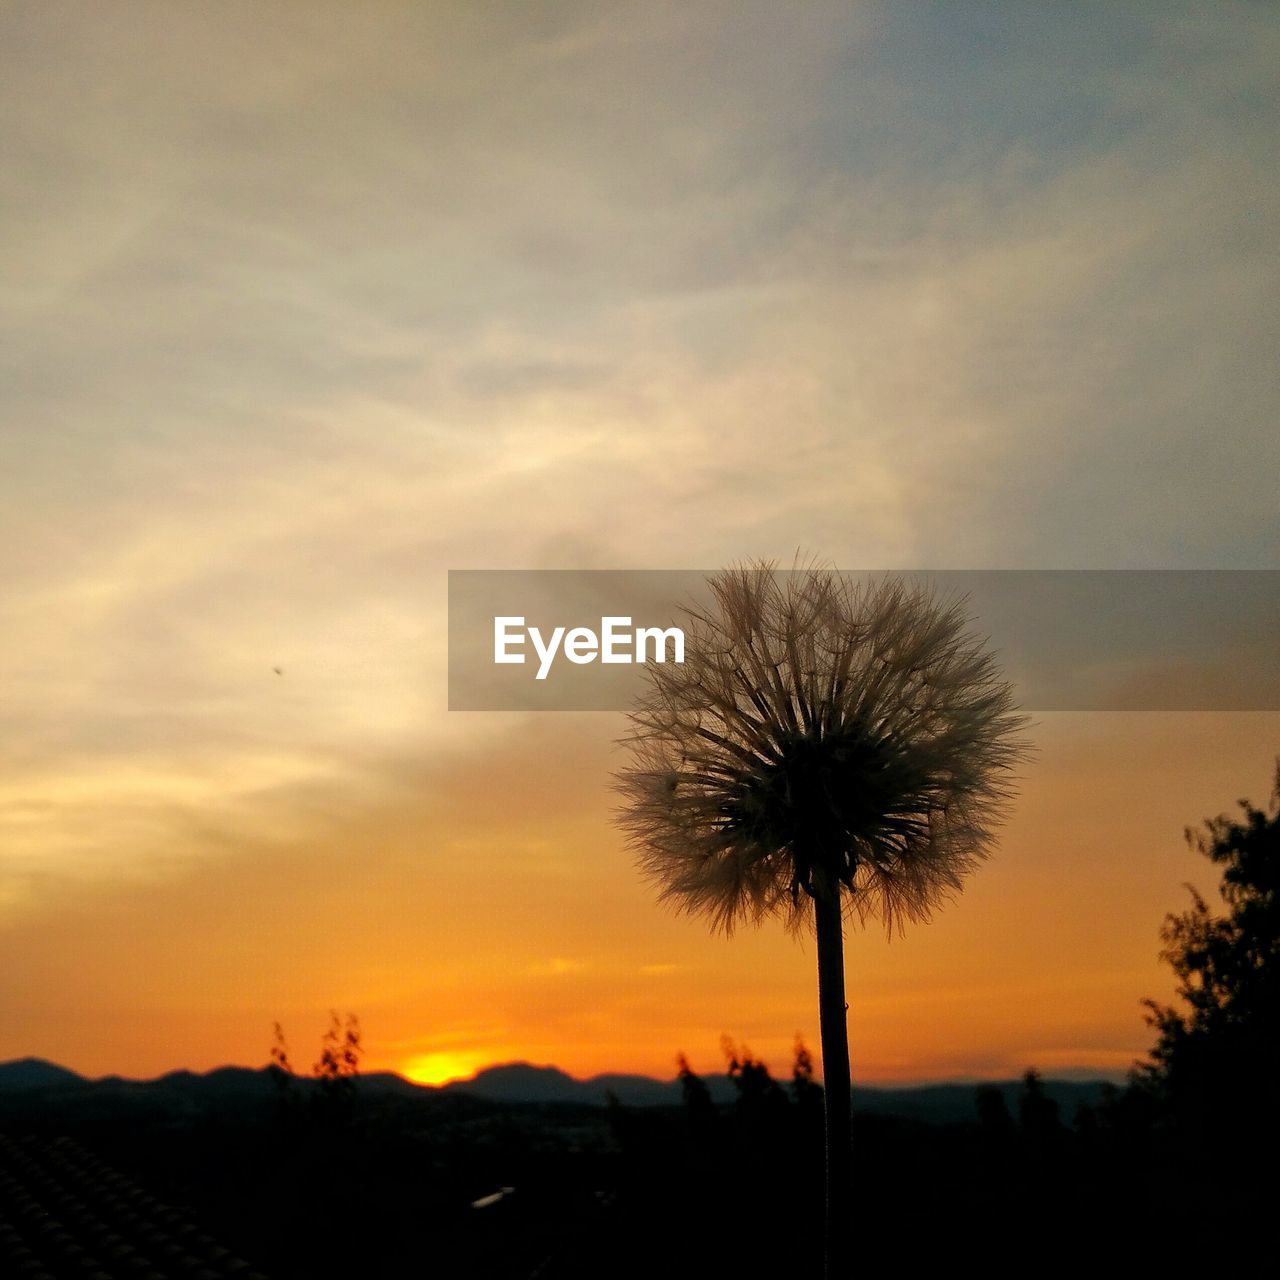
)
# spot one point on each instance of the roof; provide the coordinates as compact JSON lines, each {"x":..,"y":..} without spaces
{"x":65,"y":1212}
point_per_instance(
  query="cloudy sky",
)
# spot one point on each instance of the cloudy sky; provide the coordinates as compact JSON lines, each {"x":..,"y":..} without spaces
{"x":304,"y":304}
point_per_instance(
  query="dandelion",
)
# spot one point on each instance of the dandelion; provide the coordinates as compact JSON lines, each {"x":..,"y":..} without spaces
{"x":828,"y":750}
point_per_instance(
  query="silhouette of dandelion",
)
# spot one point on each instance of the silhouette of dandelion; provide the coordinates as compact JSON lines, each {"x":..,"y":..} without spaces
{"x":827,"y":742}
{"x":818,"y":730}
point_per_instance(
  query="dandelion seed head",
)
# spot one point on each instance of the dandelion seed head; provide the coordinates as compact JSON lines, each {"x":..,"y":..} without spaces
{"x":820,"y":731}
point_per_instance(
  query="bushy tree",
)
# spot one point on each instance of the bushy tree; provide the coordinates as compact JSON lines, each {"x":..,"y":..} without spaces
{"x":1215,"y":1067}
{"x":336,"y":1072}
{"x":806,"y":1092}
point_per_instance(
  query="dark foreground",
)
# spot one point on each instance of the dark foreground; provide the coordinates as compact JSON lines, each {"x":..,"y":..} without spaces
{"x":305,"y":1183}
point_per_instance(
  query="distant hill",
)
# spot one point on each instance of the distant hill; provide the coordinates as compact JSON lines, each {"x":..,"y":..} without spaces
{"x":521,"y":1083}
{"x":524,"y":1082}
{"x":35,"y":1073}
{"x":948,"y":1103}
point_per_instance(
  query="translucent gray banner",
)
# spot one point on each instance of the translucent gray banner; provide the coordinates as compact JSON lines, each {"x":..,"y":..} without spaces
{"x":1069,"y":640}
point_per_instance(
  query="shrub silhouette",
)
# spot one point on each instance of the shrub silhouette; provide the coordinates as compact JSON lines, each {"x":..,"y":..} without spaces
{"x":327,"y":1101}
{"x":1214,"y":1071}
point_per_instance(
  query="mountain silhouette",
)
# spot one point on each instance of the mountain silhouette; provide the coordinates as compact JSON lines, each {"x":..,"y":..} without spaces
{"x":524,"y":1083}
{"x":35,"y":1073}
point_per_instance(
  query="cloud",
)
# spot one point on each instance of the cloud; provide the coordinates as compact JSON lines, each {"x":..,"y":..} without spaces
{"x":299,"y":312}
{"x":557,"y":967}
{"x":287,"y":344}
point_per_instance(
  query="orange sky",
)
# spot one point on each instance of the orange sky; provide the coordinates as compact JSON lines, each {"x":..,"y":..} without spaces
{"x":299,"y":313}
{"x":485,"y":912}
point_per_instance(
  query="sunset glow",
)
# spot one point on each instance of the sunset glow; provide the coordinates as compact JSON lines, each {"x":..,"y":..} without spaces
{"x":440,"y":1068}
{"x":304,"y":310}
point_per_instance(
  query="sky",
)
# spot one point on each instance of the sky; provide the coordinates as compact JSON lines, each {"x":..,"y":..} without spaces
{"x":303,"y":305}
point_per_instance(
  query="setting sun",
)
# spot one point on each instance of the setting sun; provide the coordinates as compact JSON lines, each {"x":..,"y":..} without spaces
{"x":440,"y":1068}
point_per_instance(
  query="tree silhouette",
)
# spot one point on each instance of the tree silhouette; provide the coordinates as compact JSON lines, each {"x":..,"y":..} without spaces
{"x":806,"y":1092}
{"x":757,"y":1089}
{"x":1037,"y":1112}
{"x":336,"y":1072}
{"x":1215,"y":1067}
{"x":698,"y":1104}
{"x":281,"y":1068}
{"x":338,"y":1067}
{"x":825,"y":750}
{"x":761,"y":1105}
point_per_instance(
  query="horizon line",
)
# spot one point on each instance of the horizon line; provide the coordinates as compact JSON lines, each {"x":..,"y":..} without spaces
{"x":1066,"y":1075}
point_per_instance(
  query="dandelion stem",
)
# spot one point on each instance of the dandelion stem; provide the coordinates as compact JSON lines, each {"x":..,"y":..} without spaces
{"x":833,"y":1023}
